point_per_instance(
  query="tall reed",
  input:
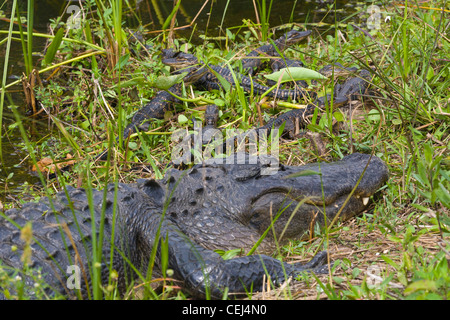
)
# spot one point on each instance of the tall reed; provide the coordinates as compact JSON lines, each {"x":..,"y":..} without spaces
{"x":263,"y":16}
{"x":5,"y":72}
{"x":30,"y":22}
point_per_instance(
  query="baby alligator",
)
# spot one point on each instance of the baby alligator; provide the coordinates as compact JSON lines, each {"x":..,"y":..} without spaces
{"x":209,"y":80}
{"x":295,"y":119}
{"x":251,"y":62}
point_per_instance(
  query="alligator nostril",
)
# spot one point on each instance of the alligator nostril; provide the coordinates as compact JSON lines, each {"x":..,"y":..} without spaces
{"x":171,"y":179}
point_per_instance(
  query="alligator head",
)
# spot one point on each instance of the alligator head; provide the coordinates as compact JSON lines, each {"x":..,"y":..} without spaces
{"x":292,"y":37}
{"x":338,"y":101}
{"x":228,"y":206}
{"x":354,"y":86}
{"x":178,"y":60}
{"x":183,"y":62}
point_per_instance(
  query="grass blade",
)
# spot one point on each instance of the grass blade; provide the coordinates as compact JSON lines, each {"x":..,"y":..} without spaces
{"x":30,"y":19}
{"x":53,"y":48}
{"x":5,"y":72}
{"x":169,"y":18}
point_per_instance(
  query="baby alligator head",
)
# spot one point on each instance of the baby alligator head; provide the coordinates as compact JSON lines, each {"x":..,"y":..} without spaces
{"x":294,"y":36}
{"x":178,"y":60}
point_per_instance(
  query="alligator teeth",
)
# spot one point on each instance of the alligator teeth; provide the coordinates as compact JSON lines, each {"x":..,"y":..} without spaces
{"x":365,"y":200}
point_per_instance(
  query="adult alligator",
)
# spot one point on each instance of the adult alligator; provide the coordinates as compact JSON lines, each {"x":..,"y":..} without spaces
{"x":210,"y":206}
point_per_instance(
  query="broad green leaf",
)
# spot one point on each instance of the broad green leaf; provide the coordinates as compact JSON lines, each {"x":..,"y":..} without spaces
{"x":169,"y":18}
{"x":356,"y":272}
{"x":164,"y":255}
{"x":122,"y":62}
{"x":338,"y":116}
{"x":338,"y":280}
{"x":374,"y":115}
{"x":226,"y":255}
{"x":182,"y":119}
{"x":443,"y":195}
{"x":294,"y":74}
{"x":225,"y":84}
{"x":391,"y":262}
{"x":165,"y":82}
{"x":54,"y":46}
{"x":430,"y":74}
{"x":421,"y":208}
{"x":133,"y":145}
{"x":396,"y":121}
{"x":219,"y":102}
{"x":85,"y":125}
{"x":421,"y":285}
{"x":428,"y":153}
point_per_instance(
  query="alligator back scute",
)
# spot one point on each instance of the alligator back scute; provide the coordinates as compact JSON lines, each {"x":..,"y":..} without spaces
{"x":153,"y":189}
{"x":53,"y":245}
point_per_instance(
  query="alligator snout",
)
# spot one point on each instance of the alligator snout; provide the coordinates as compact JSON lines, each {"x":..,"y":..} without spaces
{"x":359,"y":174}
{"x":301,"y":196}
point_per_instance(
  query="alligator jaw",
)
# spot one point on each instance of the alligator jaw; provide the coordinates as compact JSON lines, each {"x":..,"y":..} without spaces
{"x":180,"y":60}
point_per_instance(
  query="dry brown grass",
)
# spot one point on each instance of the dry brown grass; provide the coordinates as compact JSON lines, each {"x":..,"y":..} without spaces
{"x":364,"y":249}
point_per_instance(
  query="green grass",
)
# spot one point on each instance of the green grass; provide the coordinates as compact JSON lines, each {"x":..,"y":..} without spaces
{"x":403,"y":237}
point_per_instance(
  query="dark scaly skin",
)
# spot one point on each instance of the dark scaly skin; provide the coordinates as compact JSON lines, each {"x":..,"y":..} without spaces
{"x":349,"y":90}
{"x":209,"y":80}
{"x":162,"y":102}
{"x":250,"y":64}
{"x":279,"y":63}
{"x":337,"y":69}
{"x":298,"y":116}
{"x":155,"y":109}
{"x":354,"y":87}
{"x":295,"y":119}
{"x":211,"y":116}
{"x":247,"y":84}
{"x":210,"y":206}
